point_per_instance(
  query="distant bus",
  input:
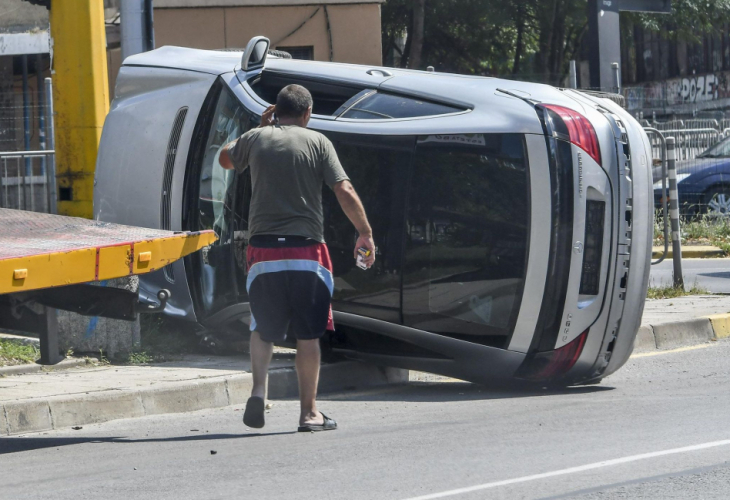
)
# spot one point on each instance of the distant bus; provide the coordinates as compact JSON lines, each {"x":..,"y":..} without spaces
{"x":513,"y":220}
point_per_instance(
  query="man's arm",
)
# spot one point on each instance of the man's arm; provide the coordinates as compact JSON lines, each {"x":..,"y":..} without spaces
{"x":225,"y":157}
{"x":225,"y":160}
{"x":352,"y":206}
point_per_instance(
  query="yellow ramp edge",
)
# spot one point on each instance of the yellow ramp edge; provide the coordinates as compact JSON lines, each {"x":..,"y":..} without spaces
{"x":721,"y":325}
{"x":98,"y":263}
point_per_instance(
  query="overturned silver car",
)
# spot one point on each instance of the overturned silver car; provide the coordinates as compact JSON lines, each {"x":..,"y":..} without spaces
{"x":513,"y":220}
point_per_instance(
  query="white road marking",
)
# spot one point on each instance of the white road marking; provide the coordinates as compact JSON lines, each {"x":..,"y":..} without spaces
{"x":681,"y":349}
{"x":574,"y":470}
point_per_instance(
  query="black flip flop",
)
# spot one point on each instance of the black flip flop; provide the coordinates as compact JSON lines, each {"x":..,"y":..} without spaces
{"x":327,"y":425}
{"x":254,"y":414}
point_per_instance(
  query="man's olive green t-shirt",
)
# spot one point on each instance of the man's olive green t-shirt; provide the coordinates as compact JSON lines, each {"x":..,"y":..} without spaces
{"x":288,"y":165}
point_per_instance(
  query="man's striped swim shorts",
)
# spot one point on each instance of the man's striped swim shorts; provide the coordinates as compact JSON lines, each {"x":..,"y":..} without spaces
{"x":290,"y":286}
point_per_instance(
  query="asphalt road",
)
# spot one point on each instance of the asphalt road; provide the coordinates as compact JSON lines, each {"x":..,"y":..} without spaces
{"x":710,"y":274}
{"x":656,"y":429}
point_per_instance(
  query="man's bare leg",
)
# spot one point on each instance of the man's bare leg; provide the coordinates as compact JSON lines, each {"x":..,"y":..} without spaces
{"x":261,"y":353}
{"x":307,"y":362}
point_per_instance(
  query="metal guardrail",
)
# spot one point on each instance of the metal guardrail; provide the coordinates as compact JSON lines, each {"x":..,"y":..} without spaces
{"x":689,"y":142}
{"x":28,"y":180}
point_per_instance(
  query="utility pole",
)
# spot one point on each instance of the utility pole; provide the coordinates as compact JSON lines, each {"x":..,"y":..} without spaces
{"x":81,"y":99}
{"x":604,"y":35}
{"x":137,"y":29}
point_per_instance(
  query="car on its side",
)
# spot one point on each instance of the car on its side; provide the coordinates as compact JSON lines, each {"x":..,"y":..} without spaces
{"x":513,"y":220}
{"x":703,"y":184}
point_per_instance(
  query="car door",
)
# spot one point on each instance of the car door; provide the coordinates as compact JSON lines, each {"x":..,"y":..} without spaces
{"x":379,"y":168}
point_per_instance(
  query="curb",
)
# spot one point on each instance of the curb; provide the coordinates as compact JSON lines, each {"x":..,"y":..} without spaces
{"x":34,"y":367}
{"x":56,"y":412}
{"x":665,"y":336}
{"x":691,"y":252}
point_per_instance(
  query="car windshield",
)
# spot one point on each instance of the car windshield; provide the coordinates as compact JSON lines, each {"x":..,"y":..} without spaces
{"x":719,"y":150}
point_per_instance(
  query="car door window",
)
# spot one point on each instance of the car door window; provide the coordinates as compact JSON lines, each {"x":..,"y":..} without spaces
{"x":468,"y":220}
{"x":378,"y":168}
{"x":216,"y":195}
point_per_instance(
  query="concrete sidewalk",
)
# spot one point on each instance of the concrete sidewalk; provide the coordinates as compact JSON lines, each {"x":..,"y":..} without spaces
{"x":51,"y":398}
{"x":75,"y":395}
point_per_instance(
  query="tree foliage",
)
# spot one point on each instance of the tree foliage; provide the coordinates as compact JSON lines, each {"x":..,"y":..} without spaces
{"x":531,"y":40}
{"x":689,"y":20}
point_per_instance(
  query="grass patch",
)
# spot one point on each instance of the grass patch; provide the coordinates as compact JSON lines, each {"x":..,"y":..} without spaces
{"x":163,"y":340}
{"x":13,"y":352}
{"x":701,"y":230}
{"x":671,"y":292}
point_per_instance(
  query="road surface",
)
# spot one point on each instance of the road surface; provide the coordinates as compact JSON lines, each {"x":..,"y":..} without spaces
{"x":711,"y":274}
{"x":656,"y":429}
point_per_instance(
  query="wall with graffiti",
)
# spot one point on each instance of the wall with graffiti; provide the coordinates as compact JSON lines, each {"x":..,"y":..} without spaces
{"x":679,"y":91}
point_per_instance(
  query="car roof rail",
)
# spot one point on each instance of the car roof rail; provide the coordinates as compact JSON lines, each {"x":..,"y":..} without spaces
{"x":254,"y":56}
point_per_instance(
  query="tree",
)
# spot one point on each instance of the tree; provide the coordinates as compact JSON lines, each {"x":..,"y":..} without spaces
{"x":484,"y":37}
{"x":530,"y":40}
{"x":689,"y":21}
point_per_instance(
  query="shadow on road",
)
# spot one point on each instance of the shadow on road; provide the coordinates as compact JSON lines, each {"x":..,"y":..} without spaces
{"x":458,"y":391}
{"x":18,"y":444}
{"x":715,"y":275}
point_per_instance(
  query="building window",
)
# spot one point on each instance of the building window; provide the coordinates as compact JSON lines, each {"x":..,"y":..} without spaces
{"x":306,"y":53}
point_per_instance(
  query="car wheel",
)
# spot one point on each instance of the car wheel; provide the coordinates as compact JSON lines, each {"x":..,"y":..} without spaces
{"x":717,"y":200}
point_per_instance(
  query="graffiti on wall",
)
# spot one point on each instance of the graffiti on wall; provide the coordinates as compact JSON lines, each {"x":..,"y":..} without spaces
{"x":677,"y":91}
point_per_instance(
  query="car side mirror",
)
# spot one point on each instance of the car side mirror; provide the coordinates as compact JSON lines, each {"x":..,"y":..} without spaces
{"x":255,"y":54}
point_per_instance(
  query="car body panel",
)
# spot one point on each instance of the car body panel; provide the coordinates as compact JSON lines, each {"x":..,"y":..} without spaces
{"x":132,"y":154}
{"x":540,"y":223}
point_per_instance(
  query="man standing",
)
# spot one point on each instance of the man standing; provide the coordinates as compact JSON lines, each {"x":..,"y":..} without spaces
{"x":290,"y":282}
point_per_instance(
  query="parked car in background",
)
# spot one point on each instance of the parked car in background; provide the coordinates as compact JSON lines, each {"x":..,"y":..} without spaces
{"x":703,"y":184}
{"x":513,"y":220}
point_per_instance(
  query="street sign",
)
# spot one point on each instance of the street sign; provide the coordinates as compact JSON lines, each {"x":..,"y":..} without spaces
{"x":655,"y":6}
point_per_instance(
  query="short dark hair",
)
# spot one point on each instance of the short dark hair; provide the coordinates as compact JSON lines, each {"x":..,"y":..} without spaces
{"x":293,"y":101}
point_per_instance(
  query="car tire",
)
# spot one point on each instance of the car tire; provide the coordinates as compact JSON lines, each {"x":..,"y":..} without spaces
{"x":717,"y":201}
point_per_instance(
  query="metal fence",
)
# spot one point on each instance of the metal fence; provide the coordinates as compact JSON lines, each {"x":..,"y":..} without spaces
{"x":27,"y":181}
{"x":27,"y":176}
{"x":689,"y":142}
{"x":702,"y":172}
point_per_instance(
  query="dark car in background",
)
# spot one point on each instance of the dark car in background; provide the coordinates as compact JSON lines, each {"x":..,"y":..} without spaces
{"x":703,"y":183}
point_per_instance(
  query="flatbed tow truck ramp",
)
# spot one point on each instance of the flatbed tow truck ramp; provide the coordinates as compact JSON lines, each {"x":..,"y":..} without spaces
{"x":47,"y":260}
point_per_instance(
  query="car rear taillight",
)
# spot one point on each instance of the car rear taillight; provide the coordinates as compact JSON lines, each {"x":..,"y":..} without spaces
{"x":551,"y":365}
{"x":580,"y":130}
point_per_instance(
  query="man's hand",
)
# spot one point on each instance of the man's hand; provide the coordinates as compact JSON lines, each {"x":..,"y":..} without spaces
{"x":267,"y":117}
{"x":366,"y":242}
{"x":352,"y":206}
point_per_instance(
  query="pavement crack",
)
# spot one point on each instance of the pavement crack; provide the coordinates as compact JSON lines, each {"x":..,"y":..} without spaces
{"x":7,"y":422}
{"x":50,"y":414}
{"x":228,"y":395}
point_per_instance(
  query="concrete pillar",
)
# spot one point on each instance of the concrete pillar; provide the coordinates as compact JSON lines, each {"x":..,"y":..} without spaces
{"x":605,"y":41}
{"x":115,"y":338}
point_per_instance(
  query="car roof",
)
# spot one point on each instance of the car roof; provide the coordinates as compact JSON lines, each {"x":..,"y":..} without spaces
{"x":491,"y":108}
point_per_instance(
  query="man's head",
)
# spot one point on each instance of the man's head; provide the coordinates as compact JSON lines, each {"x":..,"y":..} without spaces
{"x":294,"y":105}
